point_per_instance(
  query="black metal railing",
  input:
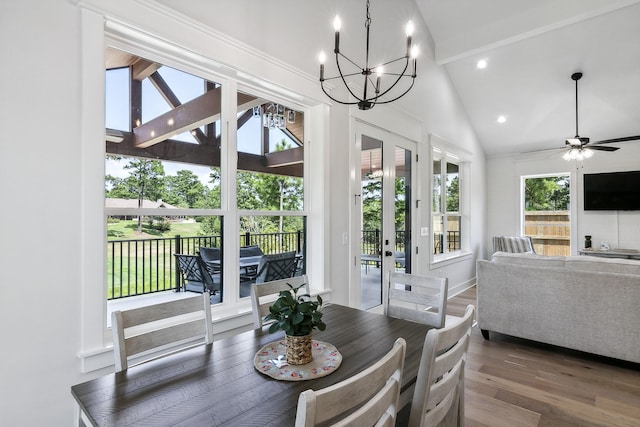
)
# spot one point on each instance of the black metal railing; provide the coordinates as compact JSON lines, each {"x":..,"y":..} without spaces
{"x":370,"y":242}
{"x":453,"y":242}
{"x":144,"y":266}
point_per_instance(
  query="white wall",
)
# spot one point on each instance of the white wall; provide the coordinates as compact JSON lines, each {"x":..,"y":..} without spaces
{"x":621,"y":229}
{"x":40,"y":187}
{"x":42,"y":174}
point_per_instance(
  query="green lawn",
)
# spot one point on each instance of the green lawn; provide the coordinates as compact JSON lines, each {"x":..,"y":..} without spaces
{"x":142,"y":267}
{"x":128,"y":230}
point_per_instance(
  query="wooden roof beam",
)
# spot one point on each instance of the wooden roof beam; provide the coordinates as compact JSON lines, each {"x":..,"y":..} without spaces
{"x":195,"y":113}
{"x":288,"y":157}
{"x":143,"y":68}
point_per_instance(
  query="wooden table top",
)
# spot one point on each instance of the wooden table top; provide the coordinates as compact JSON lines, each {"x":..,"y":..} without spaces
{"x":218,"y":385}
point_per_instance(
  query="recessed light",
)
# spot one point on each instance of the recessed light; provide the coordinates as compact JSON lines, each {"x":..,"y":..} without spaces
{"x":502,"y":119}
{"x":482,"y":64}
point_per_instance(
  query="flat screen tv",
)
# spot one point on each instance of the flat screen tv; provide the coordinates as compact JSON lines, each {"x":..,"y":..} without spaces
{"x":614,"y":191}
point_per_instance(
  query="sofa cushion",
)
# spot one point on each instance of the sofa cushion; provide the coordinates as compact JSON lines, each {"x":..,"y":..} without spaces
{"x":528,"y":259}
{"x":603,"y":265}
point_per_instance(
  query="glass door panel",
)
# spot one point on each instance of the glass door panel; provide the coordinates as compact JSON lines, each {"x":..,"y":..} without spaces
{"x":371,"y":223}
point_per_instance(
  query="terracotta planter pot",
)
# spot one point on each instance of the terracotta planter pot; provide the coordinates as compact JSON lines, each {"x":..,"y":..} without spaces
{"x":298,"y":349}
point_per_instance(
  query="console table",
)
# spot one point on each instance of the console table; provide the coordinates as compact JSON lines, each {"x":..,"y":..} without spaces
{"x":613,"y":253}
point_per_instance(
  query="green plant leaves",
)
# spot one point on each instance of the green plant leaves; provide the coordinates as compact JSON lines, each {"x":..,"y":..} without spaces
{"x":295,"y":314}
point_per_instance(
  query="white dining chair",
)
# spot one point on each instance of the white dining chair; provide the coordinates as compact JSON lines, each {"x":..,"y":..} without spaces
{"x":264,"y":294}
{"x":420,"y":299}
{"x":142,"y":331}
{"x":439,"y":392}
{"x":375,"y":392}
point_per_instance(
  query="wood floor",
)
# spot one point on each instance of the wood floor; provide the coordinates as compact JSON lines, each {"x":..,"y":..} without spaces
{"x":513,"y":382}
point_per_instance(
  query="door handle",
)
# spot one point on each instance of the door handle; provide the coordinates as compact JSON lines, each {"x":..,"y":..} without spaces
{"x":388,"y":253}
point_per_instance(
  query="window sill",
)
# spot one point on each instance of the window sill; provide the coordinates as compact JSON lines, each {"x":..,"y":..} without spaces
{"x":448,"y":259}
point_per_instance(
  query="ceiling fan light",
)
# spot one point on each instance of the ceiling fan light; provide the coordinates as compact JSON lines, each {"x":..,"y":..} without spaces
{"x":567,"y":155}
{"x":587,"y":153}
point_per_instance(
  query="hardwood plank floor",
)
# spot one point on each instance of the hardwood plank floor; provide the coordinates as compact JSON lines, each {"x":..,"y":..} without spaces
{"x":516,"y":382}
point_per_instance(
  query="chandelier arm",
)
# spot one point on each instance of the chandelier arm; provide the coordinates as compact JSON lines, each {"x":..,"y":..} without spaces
{"x":345,"y":75}
{"x":397,"y":97}
{"x":395,"y":83}
{"x":334,"y":99}
{"x":406,"y":58}
{"x":345,"y":81}
{"x":348,"y":59}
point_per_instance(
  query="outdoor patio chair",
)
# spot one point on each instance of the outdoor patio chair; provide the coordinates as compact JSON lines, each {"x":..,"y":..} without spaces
{"x":420,"y":299}
{"x":374,"y":393}
{"x":195,"y":275}
{"x":276,"y":266}
{"x":211,"y":258}
{"x":161,"y":325}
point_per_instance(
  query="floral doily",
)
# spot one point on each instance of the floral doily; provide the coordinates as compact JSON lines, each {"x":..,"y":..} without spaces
{"x":326,"y":359}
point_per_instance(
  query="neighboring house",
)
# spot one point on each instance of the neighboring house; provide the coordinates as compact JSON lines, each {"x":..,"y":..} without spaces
{"x":133,"y":204}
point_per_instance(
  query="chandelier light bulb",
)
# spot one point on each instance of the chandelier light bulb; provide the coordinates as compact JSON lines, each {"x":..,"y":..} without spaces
{"x":337,"y":23}
{"x":322,"y":57}
{"x":409,"y":29}
{"x":415,"y":51}
{"x":379,"y":70}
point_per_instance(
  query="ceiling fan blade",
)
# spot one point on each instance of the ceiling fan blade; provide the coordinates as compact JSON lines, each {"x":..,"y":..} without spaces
{"x":597,"y":147}
{"x":614,"y":140}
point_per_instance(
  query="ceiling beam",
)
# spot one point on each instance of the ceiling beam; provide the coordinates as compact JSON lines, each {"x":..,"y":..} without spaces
{"x":143,"y":68}
{"x":286,"y":163}
{"x":195,"y":113}
{"x":285,"y":157}
{"x":173,"y":101}
{"x":190,"y":115}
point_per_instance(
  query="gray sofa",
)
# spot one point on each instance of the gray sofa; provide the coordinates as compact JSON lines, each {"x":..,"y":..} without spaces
{"x":579,"y":302}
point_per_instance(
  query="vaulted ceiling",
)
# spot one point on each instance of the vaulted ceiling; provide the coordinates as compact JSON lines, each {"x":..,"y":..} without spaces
{"x":531,"y":49}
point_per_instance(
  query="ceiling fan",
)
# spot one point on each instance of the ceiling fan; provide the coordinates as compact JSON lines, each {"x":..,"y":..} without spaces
{"x":578,"y":149}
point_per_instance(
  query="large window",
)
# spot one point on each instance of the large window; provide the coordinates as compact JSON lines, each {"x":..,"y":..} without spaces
{"x":167,"y":186}
{"x":546,"y":213}
{"x":162,"y":176}
{"x":269,"y":177}
{"x":446,"y":207}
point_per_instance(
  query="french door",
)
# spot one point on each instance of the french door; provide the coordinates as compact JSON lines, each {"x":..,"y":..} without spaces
{"x":383,"y":223}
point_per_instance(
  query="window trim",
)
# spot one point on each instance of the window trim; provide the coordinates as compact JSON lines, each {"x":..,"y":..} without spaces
{"x":441,"y":149}
{"x":97,"y":31}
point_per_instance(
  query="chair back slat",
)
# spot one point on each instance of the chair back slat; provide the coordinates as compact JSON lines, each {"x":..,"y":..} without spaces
{"x":165,"y":327}
{"x":417,"y":298}
{"x":374,"y":392}
{"x":439,"y":390}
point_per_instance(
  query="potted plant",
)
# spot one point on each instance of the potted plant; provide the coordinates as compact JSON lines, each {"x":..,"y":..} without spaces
{"x":296,"y":315}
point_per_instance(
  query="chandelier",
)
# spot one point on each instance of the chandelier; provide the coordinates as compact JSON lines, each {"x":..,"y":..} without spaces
{"x":273,"y":115}
{"x":373,"y":92}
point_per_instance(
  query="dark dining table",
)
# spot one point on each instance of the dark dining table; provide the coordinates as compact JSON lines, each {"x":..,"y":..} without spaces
{"x":217,"y":384}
